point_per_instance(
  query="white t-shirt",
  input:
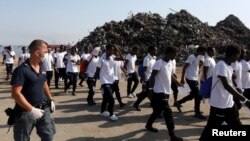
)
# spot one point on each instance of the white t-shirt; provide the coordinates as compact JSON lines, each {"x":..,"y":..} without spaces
{"x":131,"y":63}
{"x":220,"y":97}
{"x":210,"y":63}
{"x":149,"y":62}
{"x":23,"y":57}
{"x":238,"y":71}
{"x":72,"y":66}
{"x":84,"y":56}
{"x":9,"y":59}
{"x":245,"y":74}
{"x":193,"y":68}
{"x":118,"y":66}
{"x":107,"y":71}
{"x":59,"y":57}
{"x":92,"y":65}
{"x":174,"y":66}
{"x":163,"y":77}
{"x":47,"y":63}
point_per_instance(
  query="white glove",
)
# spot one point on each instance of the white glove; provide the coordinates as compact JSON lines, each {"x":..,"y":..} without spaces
{"x":52,"y":106}
{"x":36,"y":113}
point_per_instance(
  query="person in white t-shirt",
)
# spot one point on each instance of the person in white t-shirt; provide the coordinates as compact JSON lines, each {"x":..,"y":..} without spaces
{"x":60,"y":66}
{"x":223,"y":108}
{"x":119,"y":66}
{"x":246,"y":75}
{"x":47,"y":65}
{"x":209,"y":64}
{"x":72,"y":60}
{"x":148,"y":63}
{"x":93,"y":60}
{"x":132,"y":74}
{"x":160,"y":84}
{"x":24,"y":56}
{"x":8,"y":59}
{"x":83,"y":65}
{"x":105,"y":71}
{"x":191,"y":72}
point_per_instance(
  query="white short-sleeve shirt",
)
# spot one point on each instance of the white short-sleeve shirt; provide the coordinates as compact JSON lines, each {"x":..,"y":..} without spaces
{"x":72,"y":66}
{"x":131,"y":63}
{"x":92,"y":65}
{"x":47,"y":62}
{"x":9,"y":59}
{"x":149,"y":62}
{"x":163,"y":77}
{"x":193,"y":68}
{"x":84,"y":56}
{"x":174,"y":66}
{"x":107,"y":68}
{"x":210,"y":63}
{"x":245,"y":74}
{"x":237,"y":68}
{"x":220,"y":97}
{"x":23,"y":57}
{"x":59,"y":57}
{"x":118,"y":66}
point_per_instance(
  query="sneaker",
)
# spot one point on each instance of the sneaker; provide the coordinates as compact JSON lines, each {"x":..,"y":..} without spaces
{"x":130,"y":96}
{"x":175,"y":138}
{"x":136,"y":107}
{"x":133,"y":94}
{"x":178,"y":106}
{"x":200,"y":116}
{"x":105,"y":114}
{"x":151,"y":129}
{"x":113,"y":118}
{"x":122,"y":105}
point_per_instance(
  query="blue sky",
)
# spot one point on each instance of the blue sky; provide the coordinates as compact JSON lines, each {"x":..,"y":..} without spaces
{"x":68,"y":21}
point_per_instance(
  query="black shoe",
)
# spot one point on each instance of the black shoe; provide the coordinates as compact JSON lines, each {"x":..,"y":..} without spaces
{"x":199,"y":116}
{"x":151,"y":129}
{"x":91,"y":102}
{"x":136,"y":107}
{"x":73,"y":93}
{"x":175,"y":138}
{"x":178,"y":106}
{"x":122,"y":105}
{"x":160,"y":116}
{"x":81,"y":85}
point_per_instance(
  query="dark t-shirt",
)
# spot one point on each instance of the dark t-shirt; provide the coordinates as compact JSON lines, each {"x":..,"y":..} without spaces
{"x":32,"y":83}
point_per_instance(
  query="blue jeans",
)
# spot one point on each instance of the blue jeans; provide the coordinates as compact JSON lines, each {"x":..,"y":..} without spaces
{"x":24,"y":125}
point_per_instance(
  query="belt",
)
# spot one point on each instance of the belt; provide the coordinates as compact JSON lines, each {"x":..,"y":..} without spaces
{"x":40,"y":106}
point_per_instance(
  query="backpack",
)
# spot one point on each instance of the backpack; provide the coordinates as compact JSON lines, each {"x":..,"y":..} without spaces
{"x":140,"y":70}
{"x":83,"y":66}
{"x":206,"y":87}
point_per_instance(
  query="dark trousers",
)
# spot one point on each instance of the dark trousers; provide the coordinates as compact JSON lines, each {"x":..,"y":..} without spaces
{"x":194,"y":94}
{"x":72,"y":80}
{"x":116,"y":89}
{"x":91,"y":85}
{"x":61,"y":73}
{"x":160,"y":104}
{"x":247,"y":93}
{"x":174,"y":88}
{"x":217,"y":117}
{"x":9,"y":68}
{"x":132,"y":77}
{"x":108,"y":101}
{"x":49,"y":75}
{"x":142,"y":95}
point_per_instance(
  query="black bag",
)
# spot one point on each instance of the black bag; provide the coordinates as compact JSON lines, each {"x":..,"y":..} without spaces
{"x":11,"y":113}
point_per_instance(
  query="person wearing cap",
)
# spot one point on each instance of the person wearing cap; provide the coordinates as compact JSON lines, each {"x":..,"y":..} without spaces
{"x":72,"y":60}
{"x":32,"y":96}
{"x":91,"y":69}
{"x":8,"y":59}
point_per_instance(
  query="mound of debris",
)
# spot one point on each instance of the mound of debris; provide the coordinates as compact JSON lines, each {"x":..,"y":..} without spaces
{"x":238,"y":32}
{"x":180,"y":29}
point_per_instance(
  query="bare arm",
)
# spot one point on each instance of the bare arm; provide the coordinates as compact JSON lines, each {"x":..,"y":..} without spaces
{"x":97,"y":72}
{"x":47,"y":90}
{"x":230,"y":89}
{"x":125,"y":64}
{"x":152,"y":78}
{"x":19,"y":98}
{"x":205,"y":70}
{"x":183,"y":73}
{"x":174,"y":80}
